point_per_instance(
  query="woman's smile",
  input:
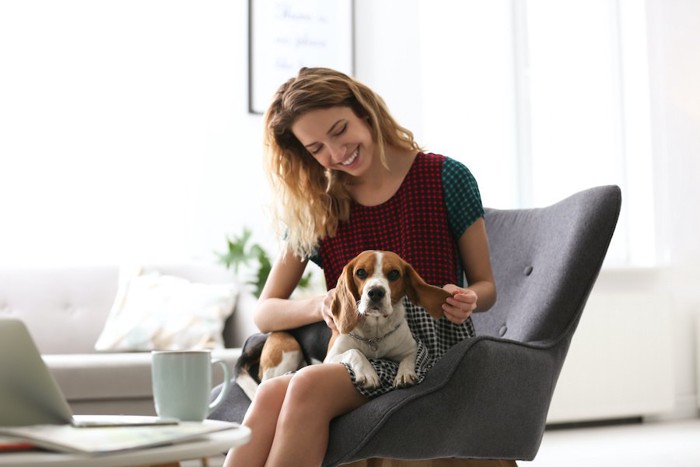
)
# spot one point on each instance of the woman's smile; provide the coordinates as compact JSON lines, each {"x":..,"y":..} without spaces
{"x":353,"y":157}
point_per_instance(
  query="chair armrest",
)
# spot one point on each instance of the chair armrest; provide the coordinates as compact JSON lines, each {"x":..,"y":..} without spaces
{"x":503,"y":388}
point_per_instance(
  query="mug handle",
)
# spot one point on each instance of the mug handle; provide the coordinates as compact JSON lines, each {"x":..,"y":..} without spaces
{"x":227,"y":385}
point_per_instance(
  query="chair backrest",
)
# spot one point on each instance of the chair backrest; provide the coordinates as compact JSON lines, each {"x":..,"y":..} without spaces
{"x":541,"y":257}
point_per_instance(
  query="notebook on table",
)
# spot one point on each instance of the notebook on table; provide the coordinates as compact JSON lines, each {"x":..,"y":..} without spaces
{"x":33,"y":407}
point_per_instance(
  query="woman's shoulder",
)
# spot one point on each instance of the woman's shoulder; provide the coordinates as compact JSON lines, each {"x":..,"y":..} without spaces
{"x":430,"y":157}
{"x":446,"y":163}
{"x":462,"y":196}
{"x":428,"y":162}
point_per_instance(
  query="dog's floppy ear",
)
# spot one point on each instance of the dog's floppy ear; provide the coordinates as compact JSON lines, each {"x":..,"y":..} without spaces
{"x":421,"y":293}
{"x":344,"y":303}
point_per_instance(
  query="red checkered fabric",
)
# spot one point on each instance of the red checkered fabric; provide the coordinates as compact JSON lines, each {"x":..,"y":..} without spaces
{"x":413,"y":223}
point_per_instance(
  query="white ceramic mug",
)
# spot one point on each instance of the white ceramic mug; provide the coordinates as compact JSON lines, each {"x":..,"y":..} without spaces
{"x":182,"y":383}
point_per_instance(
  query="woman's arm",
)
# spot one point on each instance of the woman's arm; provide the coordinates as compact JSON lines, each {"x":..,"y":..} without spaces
{"x":474,"y":249}
{"x":480,"y":295}
{"x":275,"y":311}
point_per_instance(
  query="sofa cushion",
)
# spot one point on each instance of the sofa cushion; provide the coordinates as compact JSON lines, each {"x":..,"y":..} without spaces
{"x":154,"y":311}
{"x":64,"y":308}
{"x":114,"y":375}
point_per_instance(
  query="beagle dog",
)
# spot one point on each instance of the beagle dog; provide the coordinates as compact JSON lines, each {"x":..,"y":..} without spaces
{"x":369,"y":313}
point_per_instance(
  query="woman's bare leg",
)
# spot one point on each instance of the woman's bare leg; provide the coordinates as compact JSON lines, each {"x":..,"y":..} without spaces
{"x":315,"y":395}
{"x":261,"y":418}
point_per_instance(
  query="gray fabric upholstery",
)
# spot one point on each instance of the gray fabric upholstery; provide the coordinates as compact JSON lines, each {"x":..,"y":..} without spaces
{"x":489,"y":396}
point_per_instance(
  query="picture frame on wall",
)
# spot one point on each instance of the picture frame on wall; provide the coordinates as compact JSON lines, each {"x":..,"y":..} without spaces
{"x":286,"y":35}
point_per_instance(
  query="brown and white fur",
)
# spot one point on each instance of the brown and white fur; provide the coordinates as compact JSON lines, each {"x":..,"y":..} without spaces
{"x":369,"y":313}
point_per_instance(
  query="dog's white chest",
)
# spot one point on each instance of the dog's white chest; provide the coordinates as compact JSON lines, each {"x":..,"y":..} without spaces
{"x":374,"y":344}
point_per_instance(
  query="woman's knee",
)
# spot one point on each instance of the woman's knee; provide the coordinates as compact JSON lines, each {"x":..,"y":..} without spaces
{"x":273,"y":387}
{"x":269,"y":396}
{"x":321,"y":390}
{"x":303,"y":386}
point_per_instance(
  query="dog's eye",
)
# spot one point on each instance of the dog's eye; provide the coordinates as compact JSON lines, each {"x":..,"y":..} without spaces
{"x":361,"y":273}
{"x":393,"y":275}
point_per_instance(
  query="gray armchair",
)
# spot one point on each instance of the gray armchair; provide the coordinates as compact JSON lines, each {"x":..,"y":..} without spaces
{"x":488,"y":397}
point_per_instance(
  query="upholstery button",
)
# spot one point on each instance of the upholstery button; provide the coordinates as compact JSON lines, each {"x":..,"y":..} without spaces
{"x":503,"y":330}
{"x":528,"y":270}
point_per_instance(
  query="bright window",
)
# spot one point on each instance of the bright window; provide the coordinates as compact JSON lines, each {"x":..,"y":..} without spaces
{"x":549,"y":98}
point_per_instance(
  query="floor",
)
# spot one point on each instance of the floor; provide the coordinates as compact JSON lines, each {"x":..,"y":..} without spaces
{"x":217,"y":461}
{"x":651,"y":444}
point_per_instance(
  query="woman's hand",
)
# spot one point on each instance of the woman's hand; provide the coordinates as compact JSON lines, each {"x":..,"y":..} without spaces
{"x":460,"y":306}
{"x":325,"y":308}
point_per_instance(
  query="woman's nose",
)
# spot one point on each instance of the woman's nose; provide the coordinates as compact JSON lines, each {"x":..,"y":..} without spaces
{"x":338,"y":152}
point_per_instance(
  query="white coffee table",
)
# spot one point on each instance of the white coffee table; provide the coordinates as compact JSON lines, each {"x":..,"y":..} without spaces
{"x":209,"y":445}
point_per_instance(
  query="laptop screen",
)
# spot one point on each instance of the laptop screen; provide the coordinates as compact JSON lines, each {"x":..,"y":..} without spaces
{"x":28,"y":393}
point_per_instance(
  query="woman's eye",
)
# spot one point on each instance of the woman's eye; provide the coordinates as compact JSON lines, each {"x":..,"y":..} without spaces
{"x":341,"y":130}
{"x":361,"y":273}
{"x":393,"y":275}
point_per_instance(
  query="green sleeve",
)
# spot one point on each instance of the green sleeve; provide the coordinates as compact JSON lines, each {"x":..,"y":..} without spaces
{"x":462,"y":197}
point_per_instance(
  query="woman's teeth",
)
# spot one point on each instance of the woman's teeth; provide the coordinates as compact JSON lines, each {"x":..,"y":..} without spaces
{"x":352,"y":158}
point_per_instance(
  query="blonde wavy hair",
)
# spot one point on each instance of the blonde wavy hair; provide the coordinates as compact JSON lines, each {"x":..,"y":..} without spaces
{"x":310,"y":200}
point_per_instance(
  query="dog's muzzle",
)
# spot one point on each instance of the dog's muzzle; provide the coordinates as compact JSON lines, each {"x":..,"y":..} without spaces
{"x":376,"y":294}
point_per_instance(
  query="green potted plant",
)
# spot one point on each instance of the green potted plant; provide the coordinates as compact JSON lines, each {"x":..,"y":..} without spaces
{"x":242,"y":252}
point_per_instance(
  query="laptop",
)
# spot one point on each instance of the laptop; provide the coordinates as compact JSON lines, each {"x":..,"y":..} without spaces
{"x":34,"y":410}
{"x":29,"y":395}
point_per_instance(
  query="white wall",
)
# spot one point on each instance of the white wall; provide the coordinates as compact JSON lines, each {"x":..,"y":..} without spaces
{"x":674,"y":40}
{"x":124,"y":131}
{"x":109,"y":106}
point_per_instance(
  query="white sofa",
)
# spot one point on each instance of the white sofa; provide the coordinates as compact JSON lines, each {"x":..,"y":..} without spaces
{"x":66,"y":309}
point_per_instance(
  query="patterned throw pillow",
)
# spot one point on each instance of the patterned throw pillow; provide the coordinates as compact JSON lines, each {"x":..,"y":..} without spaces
{"x":159,"y":312}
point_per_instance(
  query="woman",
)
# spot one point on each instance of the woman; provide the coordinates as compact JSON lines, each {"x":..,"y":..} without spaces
{"x":349,"y":178}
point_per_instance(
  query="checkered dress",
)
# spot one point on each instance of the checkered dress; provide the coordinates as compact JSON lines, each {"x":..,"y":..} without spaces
{"x":437,"y":201}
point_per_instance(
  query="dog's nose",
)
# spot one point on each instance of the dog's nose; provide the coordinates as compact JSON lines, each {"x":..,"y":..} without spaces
{"x":376,"y":294}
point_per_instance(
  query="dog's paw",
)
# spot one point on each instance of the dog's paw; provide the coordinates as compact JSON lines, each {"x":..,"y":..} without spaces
{"x":405,"y":378}
{"x":367,"y":378}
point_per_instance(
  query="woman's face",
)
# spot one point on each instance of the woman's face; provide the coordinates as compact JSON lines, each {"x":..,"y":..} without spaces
{"x":337,"y":138}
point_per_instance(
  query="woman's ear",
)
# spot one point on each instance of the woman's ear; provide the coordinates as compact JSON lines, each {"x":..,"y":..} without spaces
{"x":421,"y":293}
{"x":344,"y":303}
